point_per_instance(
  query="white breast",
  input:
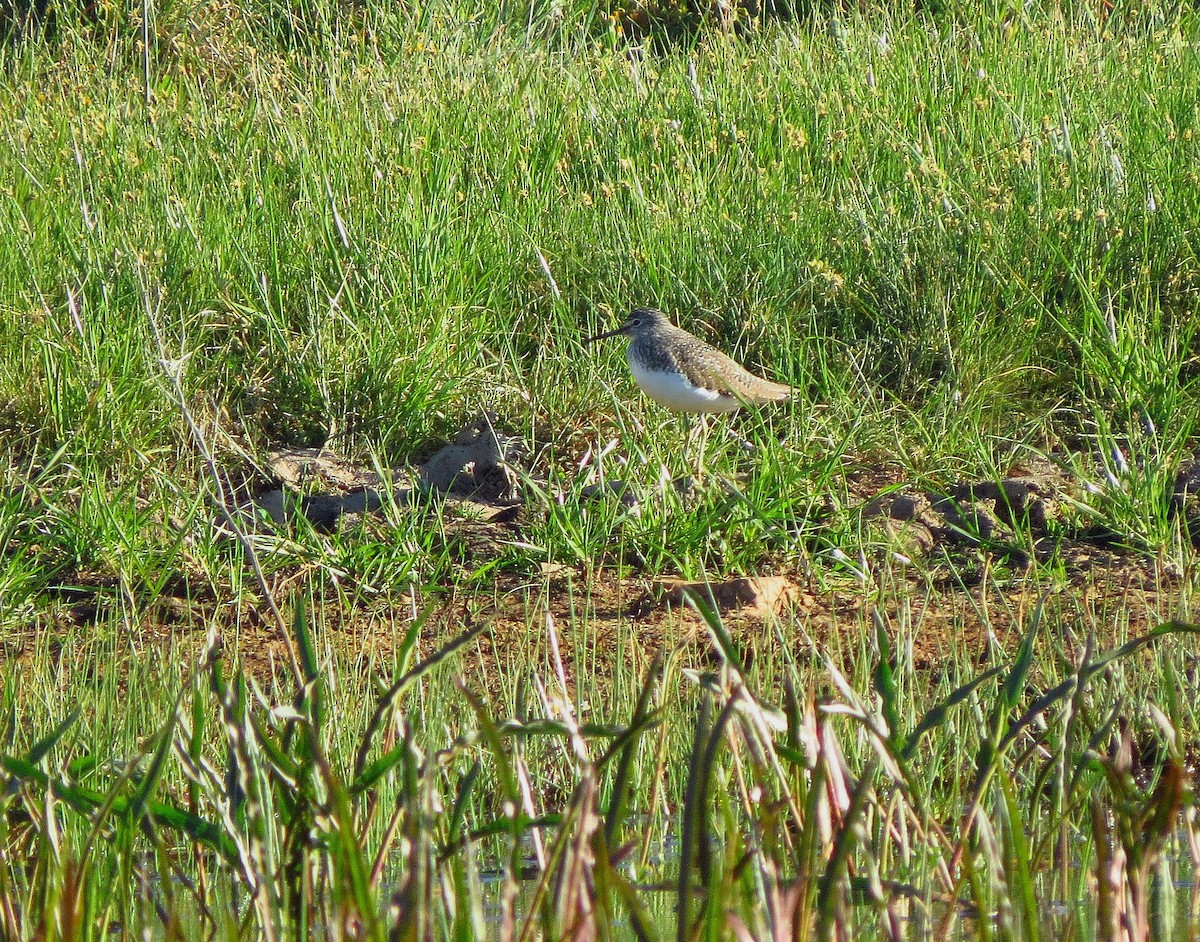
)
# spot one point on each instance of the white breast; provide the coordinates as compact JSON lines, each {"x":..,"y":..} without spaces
{"x":675,"y":392}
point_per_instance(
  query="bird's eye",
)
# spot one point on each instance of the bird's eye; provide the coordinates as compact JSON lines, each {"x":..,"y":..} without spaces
{"x":636,"y":321}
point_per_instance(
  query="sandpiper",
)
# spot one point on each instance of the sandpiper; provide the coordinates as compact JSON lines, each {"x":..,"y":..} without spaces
{"x":684,"y":373}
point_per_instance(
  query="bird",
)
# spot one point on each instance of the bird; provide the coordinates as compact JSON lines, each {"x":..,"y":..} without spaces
{"x":683,"y":373}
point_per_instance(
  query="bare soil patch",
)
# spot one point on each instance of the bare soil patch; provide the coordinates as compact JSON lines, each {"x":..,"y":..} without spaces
{"x":955,"y":571}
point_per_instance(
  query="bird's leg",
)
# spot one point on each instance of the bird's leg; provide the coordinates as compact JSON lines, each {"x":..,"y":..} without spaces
{"x":743,"y":442}
{"x":703,"y":447}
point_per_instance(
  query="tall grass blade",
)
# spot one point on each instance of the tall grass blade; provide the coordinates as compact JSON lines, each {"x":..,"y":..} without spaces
{"x":638,"y":723}
{"x":936,"y":715}
{"x":387,"y":702}
{"x":830,"y":906}
{"x":885,"y":682}
{"x":691,"y":828}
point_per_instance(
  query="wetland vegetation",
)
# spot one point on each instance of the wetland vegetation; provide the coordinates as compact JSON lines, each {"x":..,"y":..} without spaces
{"x":919,"y":663}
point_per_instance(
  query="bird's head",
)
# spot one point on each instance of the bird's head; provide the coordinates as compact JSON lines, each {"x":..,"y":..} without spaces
{"x":639,"y":319}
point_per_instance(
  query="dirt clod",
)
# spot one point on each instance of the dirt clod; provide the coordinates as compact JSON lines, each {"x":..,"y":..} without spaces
{"x":329,"y":490}
{"x":759,"y":596}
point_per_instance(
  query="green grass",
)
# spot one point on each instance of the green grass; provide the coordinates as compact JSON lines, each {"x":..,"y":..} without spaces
{"x":943,"y":237}
{"x":968,"y":241}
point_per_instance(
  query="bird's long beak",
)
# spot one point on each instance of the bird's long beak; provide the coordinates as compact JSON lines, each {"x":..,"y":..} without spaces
{"x":607,"y":333}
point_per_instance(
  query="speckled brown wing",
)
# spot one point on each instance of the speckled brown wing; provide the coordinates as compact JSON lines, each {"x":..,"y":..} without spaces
{"x":709,"y":368}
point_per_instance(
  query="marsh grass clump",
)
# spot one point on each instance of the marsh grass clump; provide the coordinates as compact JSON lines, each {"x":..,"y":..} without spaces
{"x":846,"y":813}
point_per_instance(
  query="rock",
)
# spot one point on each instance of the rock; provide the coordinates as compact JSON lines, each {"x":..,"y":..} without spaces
{"x":323,"y":511}
{"x":970,"y":523}
{"x":899,"y":506}
{"x":907,"y":520}
{"x":914,"y":523}
{"x":337,"y":487}
{"x":474,"y":469}
{"x":274,"y":503}
{"x":299,"y":467}
{"x":1015,"y":501}
{"x":910,"y":539}
{"x":478,"y":463}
